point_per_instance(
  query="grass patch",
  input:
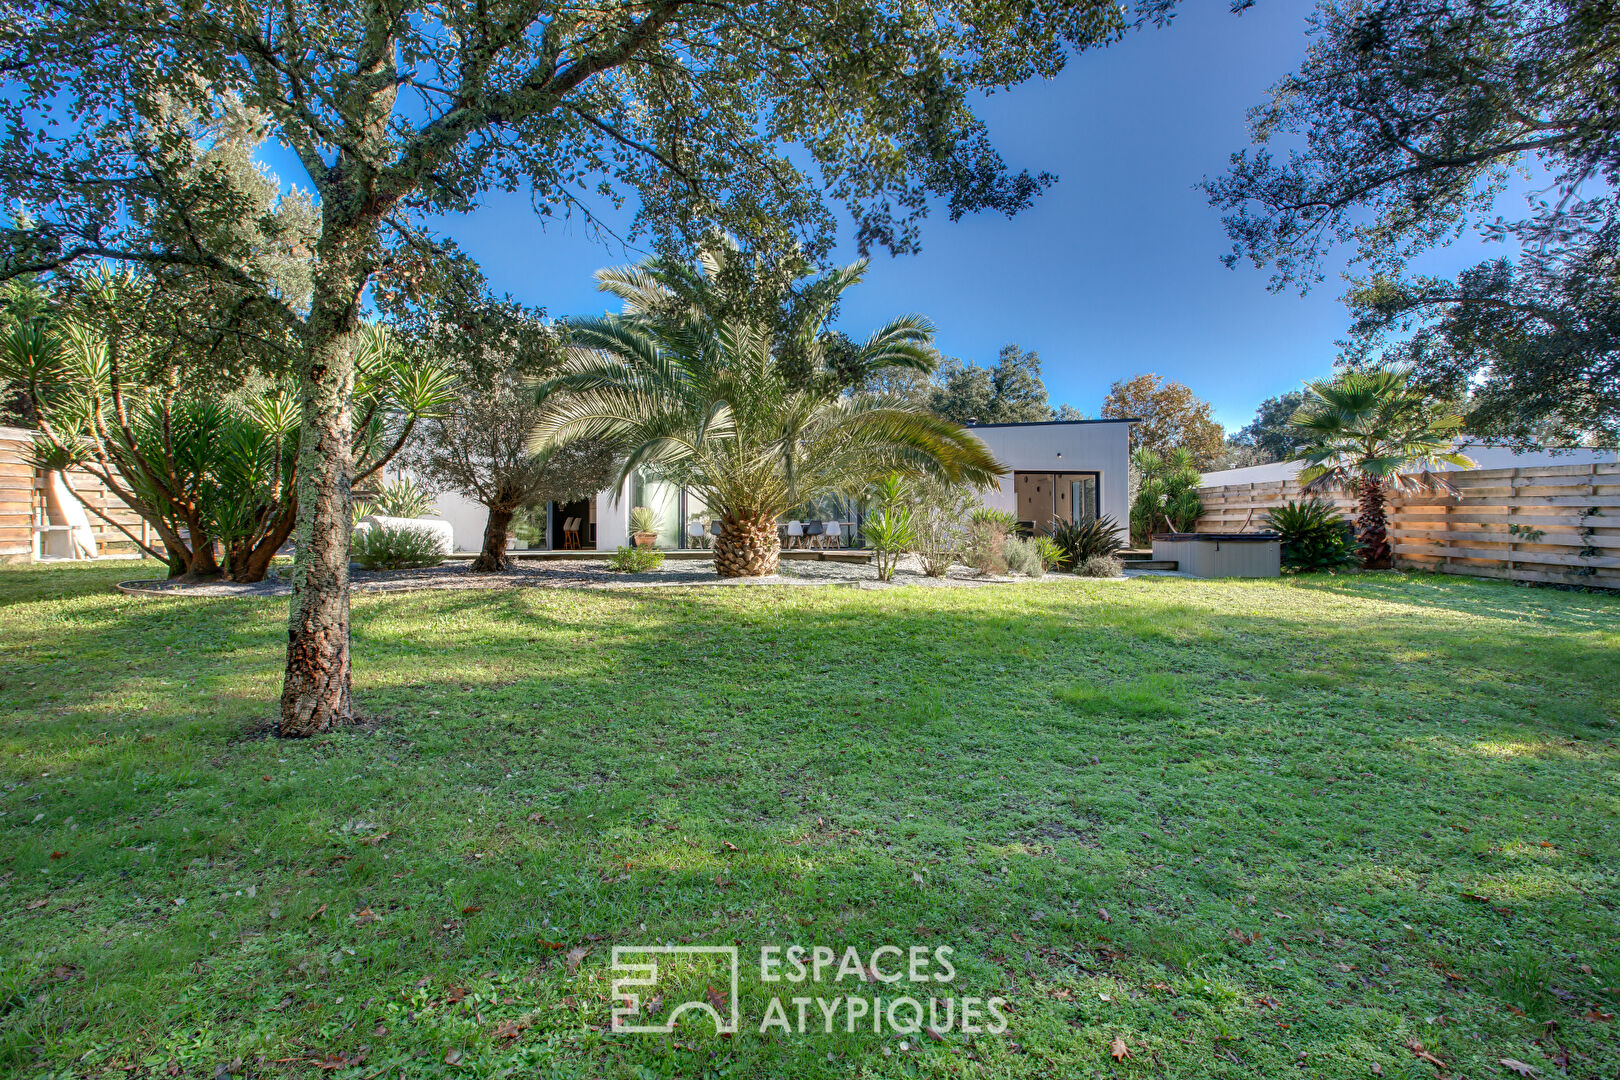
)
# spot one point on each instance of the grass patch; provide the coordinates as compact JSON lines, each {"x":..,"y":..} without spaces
{"x":1250,"y":828}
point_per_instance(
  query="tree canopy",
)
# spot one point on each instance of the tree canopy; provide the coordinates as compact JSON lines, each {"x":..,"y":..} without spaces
{"x":1415,"y":115}
{"x":1172,"y":417}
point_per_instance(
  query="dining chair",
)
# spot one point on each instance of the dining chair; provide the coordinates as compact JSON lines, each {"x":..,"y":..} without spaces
{"x":795,"y":534}
{"x":834,"y":534}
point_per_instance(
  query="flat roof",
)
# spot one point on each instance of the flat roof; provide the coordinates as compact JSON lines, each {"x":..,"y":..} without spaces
{"x":1053,"y":423}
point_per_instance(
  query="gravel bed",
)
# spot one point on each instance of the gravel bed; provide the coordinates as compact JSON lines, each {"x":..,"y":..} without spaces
{"x":596,"y":575}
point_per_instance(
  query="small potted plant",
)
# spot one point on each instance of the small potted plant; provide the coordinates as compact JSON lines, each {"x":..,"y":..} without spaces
{"x":643,"y":526}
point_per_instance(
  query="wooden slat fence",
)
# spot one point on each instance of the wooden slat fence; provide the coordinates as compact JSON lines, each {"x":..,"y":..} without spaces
{"x":1541,"y":523}
{"x":22,"y":502}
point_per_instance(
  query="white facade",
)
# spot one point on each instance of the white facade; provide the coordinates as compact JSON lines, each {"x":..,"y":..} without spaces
{"x":1485,"y":455}
{"x":1062,"y":449}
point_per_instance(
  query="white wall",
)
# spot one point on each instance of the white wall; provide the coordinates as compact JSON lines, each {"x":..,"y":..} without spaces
{"x":1485,"y":455}
{"x":1101,"y":446}
{"x":613,"y":519}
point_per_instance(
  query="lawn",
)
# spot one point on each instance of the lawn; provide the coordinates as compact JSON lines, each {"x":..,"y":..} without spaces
{"x":1254,"y":829}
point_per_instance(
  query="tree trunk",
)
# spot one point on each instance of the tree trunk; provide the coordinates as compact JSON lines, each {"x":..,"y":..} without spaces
{"x":315,"y":696}
{"x":1371,"y":525}
{"x":494,"y":558}
{"x":746,"y":547}
{"x":255,"y":562}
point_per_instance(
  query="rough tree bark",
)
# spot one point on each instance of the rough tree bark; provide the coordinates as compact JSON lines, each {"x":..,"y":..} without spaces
{"x":1371,"y":525}
{"x":315,"y":696}
{"x":494,"y":558}
{"x":746,"y":546}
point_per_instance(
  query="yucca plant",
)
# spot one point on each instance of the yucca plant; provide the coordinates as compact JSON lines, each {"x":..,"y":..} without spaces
{"x":720,"y":382}
{"x":890,"y":535}
{"x":1372,"y":432}
{"x":1081,"y":540}
{"x":199,"y":462}
{"x":1166,"y":493}
{"x":403,"y":498}
{"x":389,"y":547}
{"x":1314,"y":536}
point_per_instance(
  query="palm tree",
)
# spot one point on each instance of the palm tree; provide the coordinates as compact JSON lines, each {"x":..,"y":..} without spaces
{"x":730,"y":386}
{"x":1371,"y":432}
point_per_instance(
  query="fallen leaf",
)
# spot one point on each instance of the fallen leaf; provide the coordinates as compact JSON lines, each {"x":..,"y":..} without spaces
{"x":471,"y":909}
{"x":1423,"y":1055}
{"x":728,"y":845}
{"x":1102,"y":913}
{"x":717,"y":1000}
{"x":456,"y":994}
{"x":544,"y":944}
{"x":507,"y":1030}
{"x":1118,"y":1050}
{"x":932,"y":1034}
{"x":1596,"y":1014}
{"x":318,"y":912}
{"x":35,"y":905}
{"x":379,"y":838}
{"x":1520,"y":1067}
{"x":573,"y":956}
{"x":1377,"y":1069}
{"x":365,"y":915}
{"x":452,"y":1057}
{"x":58,"y":854}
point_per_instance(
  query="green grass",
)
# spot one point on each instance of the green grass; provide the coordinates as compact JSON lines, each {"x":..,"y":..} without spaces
{"x":1256,"y":829}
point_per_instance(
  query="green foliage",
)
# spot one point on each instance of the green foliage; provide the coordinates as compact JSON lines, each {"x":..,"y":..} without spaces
{"x":643,"y":519}
{"x":1166,"y":497}
{"x":634,"y":560}
{"x":1051,"y":552}
{"x":1023,"y":556}
{"x":1011,"y":392}
{"x":1270,"y":435}
{"x":1314,"y":536}
{"x":889,"y":534}
{"x":1104,"y":566}
{"x":984,"y":547}
{"x":1078,"y":541}
{"x":395,"y":547}
{"x":939,"y":514}
{"x":1370,"y":431}
{"x":403,"y":498}
{"x":995,"y":516}
{"x":1404,"y":124}
{"x":717,"y":378}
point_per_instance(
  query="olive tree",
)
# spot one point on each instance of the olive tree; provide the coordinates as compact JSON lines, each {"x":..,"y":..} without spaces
{"x":756,"y":117}
{"x":478,"y":444}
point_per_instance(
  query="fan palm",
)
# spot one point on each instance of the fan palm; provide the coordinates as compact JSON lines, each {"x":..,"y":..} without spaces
{"x":1372,"y":432}
{"x":735,"y":398}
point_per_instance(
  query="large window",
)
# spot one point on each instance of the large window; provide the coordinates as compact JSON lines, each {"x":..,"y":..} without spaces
{"x":1045,"y":497}
{"x":665,"y":501}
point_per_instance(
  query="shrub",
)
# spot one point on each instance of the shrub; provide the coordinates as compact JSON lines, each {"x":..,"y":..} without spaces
{"x":939,"y":512}
{"x":1314,"y":536}
{"x":1023,"y":556}
{"x":890,"y":535}
{"x":1100,"y":566}
{"x":1081,"y":540}
{"x":1050,"y":551}
{"x":984,"y":547}
{"x":403,"y":498}
{"x":990,"y":515}
{"x":632,"y":560}
{"x":387,"y":547}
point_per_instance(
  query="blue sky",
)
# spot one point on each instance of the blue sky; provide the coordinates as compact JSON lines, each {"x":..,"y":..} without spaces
{"x":1115,"y":270}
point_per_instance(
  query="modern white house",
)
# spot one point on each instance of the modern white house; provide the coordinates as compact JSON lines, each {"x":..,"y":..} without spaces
{"x":1070,"y":469}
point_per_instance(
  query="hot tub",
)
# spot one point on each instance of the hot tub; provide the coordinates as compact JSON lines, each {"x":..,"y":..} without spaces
{"x":1215,"y":555}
